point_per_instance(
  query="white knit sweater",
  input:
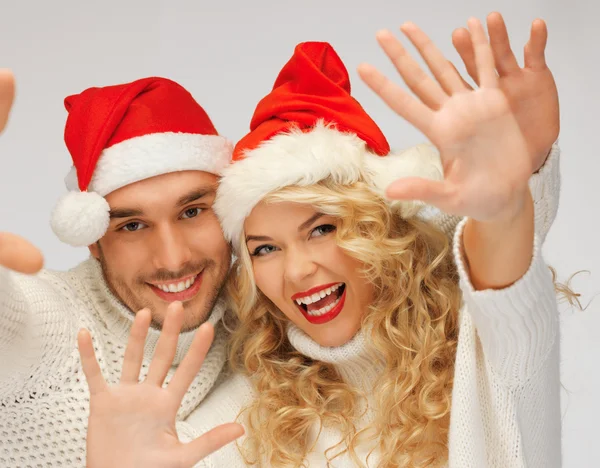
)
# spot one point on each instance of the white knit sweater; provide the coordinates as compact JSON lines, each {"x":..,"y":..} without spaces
{"x":43,"y":393}
{"x":505,"y":403}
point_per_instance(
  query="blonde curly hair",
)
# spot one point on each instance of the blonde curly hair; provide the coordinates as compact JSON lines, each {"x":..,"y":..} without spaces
{"x":412,"y":323}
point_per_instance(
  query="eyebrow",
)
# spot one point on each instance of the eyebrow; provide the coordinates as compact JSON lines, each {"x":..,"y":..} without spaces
{"x":309,"y":221}
{"x":194,"y":195}
{"x":303,"y":226}
{"x":125,"y":213}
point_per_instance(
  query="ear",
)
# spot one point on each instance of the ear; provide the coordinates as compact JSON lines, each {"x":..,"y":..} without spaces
{"x":95,"y":250}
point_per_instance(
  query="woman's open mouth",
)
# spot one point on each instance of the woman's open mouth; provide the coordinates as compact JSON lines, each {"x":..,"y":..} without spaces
{"x":322,"y":305}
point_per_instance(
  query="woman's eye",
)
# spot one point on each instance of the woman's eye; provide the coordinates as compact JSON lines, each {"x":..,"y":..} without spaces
{"x":263,"y":250}
{"x":191,"y":213}
{"x":133,"y":226}
{"x":322,"y":230}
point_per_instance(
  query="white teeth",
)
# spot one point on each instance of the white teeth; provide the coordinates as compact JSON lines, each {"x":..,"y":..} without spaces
{"x":324,"y":310}
{"x":317,"y":296}
{"x":179,"y":287}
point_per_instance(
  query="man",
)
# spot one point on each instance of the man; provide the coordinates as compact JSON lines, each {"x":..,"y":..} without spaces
{"x":146,"y":158}
{"x":155,"y":243}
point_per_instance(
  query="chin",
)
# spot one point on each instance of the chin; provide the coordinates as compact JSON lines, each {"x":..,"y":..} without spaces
{"x":333,"y":340}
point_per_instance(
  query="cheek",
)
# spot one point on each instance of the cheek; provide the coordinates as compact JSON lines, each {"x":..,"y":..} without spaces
{"x":364,"y":289}
{"x":126,"y":259}
{"x":206,"y":236}
{"x":336,"y":259}
{"x":269,"y":280}
{"x":351,"y":269}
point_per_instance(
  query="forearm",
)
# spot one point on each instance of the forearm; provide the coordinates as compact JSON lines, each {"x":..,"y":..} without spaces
{"x":498,"y":253}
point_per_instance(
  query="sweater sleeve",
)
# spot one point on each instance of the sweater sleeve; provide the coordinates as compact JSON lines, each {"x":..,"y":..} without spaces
{"x":545,"y":190}
{"x":36,"y":330}
{"x":506,"y":396}
{"x":518,"y":325}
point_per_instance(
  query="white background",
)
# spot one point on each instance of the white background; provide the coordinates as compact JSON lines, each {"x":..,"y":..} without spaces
{"x":228,"y":53}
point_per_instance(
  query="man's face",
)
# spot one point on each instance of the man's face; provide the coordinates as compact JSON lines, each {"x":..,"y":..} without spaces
{"x":165,"y":244}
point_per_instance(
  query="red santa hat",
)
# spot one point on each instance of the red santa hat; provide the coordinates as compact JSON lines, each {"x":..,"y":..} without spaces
{"x":118,"y":135}
{"x":307,"y":129}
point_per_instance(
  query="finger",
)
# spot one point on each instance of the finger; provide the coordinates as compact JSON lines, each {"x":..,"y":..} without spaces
{"x":484,"y":57}
{"x":134,"y":354}
{"x":19,"y":255}
{"x":419,"y":82}
{"x":536,"y":46}
{"x":503,"y":55}
{"x":89,"y":363}
{"x":7,"y":95}
{"x":167,"y":345}
{"x":411,"y":109}
{"x":431,"y":192}
{"x":445,"y":74}
{"x":210,"y":442}
{"x":192,"y":362}
{"x":461,"y":39}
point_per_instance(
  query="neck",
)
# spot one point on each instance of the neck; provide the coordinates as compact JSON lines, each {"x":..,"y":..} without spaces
{"x":356,"y":362}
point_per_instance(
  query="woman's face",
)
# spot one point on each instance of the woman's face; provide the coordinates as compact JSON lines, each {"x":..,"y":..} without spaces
{"x":298,"y":265}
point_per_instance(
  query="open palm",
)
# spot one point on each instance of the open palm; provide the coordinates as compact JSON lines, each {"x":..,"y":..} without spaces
{"x":133,"y":423}
{"x":483,"y":152}
{"x":530,"y":90}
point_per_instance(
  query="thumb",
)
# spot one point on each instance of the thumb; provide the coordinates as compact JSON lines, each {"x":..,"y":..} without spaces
{"x":7,"y":94}
{"x":19,"y":255}
{"x":210,"y":442}
{"x":536,"y":46}
{"x":431,"y":192}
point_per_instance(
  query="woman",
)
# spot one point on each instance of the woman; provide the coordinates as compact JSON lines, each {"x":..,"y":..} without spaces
{"x":364,"y":336}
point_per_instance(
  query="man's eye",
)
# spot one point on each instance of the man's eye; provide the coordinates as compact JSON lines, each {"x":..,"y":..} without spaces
{"x":191,"y":213}
{"x":134,"y":226}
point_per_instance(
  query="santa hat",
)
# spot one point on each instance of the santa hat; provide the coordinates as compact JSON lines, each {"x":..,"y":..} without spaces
{"x":307,"y":129}
{"x":118,"y":135}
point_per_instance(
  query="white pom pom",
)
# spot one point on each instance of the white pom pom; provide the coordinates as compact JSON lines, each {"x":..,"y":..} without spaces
{"x":80,"y":218}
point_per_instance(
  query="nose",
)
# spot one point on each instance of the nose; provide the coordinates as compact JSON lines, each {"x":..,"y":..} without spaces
{"x":171,"y":250}
{"x":299,"y":265}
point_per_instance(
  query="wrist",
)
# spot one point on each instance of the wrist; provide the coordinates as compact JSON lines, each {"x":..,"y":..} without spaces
{"x":512,"y":212}
{"x":497,"y":252}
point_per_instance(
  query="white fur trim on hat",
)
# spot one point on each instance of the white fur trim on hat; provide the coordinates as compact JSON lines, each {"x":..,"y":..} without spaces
{"x":150,"y":155}
{"x":417,"y":161}
{"x":82,"y":218}
{"x":305,"y":158}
